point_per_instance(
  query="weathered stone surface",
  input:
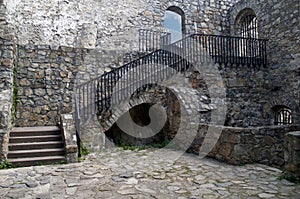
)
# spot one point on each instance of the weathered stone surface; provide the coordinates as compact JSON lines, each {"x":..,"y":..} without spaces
{"x":7,"y":64}
{"x":292,"y":154}
{"x":186,"y":177}
{"x":69,"y":137}
{"x":47,"y":72}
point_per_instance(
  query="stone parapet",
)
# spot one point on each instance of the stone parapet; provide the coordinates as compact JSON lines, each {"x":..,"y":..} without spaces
{"x":263,"y":145}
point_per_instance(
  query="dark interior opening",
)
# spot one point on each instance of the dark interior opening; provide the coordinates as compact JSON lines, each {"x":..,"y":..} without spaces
{"x":140,"y":115}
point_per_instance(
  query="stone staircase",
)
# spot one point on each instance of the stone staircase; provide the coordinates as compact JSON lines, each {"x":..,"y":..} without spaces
{"x":29,"y":146}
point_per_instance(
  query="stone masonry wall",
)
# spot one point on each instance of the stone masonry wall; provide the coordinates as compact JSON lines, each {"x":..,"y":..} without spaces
{"x":7,"y":61}
{"x":109,"y":27}
{"x":279,"y":22}
{"x":263,"y":145}
{"x":45,"y":79}
{"x":106,"y":24}
{"x":292,"y":155}
{"x":62,"y":23}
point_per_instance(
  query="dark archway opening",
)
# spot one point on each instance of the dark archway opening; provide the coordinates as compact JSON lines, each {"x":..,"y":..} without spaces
{"x":140,"y":116}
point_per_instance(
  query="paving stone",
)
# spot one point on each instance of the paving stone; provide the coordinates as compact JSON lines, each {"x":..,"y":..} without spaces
{"x":71,"y":190}
{"x":173,"y":188}
{"x":126,"y":175}
{"x":132,"y":181}
{"x":17,"y":186}
{"x":117,"y":179}
{"x":43,"y":182}
{"x":266,"y":195}
{"x":145,"y":189}
{"x":73,"y":182}
{"x":31,"y":184}
{"x":125,"y":190}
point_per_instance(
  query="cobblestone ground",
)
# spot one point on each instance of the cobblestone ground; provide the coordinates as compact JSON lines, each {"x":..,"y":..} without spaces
{"x":144,"y":174}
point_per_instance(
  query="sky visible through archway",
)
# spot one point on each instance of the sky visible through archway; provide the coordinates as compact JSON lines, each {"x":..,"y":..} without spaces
{"x":173,"y":23}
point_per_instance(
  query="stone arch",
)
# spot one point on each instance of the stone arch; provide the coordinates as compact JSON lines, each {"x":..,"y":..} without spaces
{"x":122,"y":108}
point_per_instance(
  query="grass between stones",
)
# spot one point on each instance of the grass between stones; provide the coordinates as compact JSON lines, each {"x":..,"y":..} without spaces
{"x":7,"y":165}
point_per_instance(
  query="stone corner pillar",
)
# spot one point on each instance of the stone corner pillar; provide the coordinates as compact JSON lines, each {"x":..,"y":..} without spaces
{"x":8,"y":50}
{"x":292,"y":154}
{"x":69,"y":137}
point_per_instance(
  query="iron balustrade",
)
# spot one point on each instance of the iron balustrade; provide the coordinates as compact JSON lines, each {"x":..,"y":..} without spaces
{"x":150,"y":40}
{"x":233,"y":50}
{"x":95,"y":96}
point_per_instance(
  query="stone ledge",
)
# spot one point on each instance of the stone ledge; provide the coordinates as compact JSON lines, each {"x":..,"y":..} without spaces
{"x":263,"y":145}
{"x":69,"y":137}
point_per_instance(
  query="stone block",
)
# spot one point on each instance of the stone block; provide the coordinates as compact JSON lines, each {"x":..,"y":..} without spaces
{"x":292,"y":154}
{"x":226,"y":149}
{"x":69,"y":136}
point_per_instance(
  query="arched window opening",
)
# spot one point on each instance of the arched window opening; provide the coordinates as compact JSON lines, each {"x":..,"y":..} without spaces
{"x":246,"y":24}
{"x":174,"y":22}
{"x":283,"y":116}
{"x":246,"y":27}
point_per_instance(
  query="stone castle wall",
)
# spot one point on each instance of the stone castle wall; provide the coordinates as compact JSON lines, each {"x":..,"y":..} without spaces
{"x":248,"y":88}
{"x":263,"y":145}
{"x":98,"y":33}
{"x":106,"y":24}
{"x":46,"y":79}
{"x":64,"y":24}
{"x":279,"y":23}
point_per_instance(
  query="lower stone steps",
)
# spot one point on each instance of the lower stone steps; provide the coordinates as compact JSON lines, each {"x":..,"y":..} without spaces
{"x":35,"y":145}
{"x":29,"y":146}
{"x":36,"y":153}
{"x":42,"y":138}
{"x":34,"y":161}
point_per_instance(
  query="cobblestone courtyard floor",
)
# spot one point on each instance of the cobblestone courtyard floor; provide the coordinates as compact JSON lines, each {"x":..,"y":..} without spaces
{"x":144,"y":174}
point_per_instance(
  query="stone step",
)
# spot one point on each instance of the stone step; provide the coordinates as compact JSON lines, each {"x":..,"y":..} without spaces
{"x":30,"y":146}
{"x":42,"y":138}
{"x":32,"y":161}
{"x":35,"y":131}
{"x":35,"y":145}
{"x":36,"y":153}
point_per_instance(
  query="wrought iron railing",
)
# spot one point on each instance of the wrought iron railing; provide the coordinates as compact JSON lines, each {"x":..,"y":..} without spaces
{"x":150,"y":40}
{"x":95,"y":96}
{"x":233,"y":50}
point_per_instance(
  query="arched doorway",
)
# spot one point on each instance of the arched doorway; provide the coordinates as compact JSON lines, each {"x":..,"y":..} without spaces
{"x":174,"y":22}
